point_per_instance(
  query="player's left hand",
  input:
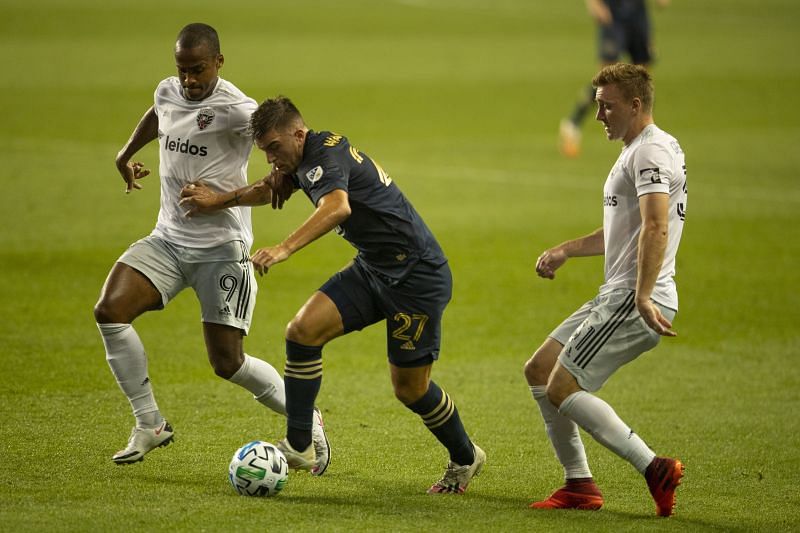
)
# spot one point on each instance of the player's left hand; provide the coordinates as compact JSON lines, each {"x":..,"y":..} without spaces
{"x":266,"y":257}
{"x":653,"y":318}
{"x":198,"y":198}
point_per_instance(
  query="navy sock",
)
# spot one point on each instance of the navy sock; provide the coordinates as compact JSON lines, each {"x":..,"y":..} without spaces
{"x":583,"y":106}
{"x":302,"y":377}
{"x":441,"y":417}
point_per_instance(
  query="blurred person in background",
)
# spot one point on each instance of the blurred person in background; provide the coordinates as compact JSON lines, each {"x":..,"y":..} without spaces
{"x":623,"y":27}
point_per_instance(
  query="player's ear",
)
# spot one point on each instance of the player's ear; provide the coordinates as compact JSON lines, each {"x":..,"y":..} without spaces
{"x":636,"y":104}
{"x":220,"y":61}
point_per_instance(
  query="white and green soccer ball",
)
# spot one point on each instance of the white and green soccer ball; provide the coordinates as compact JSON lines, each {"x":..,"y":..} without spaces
{"x":258,"y":469}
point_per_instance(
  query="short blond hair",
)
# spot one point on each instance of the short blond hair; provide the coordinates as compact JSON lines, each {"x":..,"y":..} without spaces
{"x":632,"y":80}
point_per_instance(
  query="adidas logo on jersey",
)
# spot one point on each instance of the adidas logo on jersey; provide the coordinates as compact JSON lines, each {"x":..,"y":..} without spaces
{"x":185,"y":147}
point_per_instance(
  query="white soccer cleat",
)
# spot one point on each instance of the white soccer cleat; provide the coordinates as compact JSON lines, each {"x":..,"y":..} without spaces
{"x":305,"y":460}
{"x":142,"y":441}
{"x":456,"y":478}
{"x":322,"y":447}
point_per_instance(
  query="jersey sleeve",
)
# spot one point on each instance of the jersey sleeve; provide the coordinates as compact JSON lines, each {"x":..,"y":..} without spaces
{"x":160,"y":94}
{"x":240,"y":117}
{"x":327,"y":173}
{"x":652,"y":169}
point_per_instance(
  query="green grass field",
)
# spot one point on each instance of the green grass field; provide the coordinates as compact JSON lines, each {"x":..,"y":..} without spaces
{"x":460,"y":100}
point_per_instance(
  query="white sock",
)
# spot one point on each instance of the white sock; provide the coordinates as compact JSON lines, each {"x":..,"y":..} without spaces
{"x":564,"y":436}
{"x":261,"y":379}
{"x":598,"y":419}
{"x":128,"y":362}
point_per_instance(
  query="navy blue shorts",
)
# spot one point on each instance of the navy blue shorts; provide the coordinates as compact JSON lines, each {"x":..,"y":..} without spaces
{"x":631,"y":35}
{"x":412,"y":309}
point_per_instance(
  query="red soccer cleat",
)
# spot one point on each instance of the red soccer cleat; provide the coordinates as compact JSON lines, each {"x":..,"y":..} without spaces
{"x":583,"y":495}
{"x":663,"y":476}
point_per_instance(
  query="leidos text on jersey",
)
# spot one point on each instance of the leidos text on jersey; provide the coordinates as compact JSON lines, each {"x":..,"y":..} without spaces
{"x":185,"y":147}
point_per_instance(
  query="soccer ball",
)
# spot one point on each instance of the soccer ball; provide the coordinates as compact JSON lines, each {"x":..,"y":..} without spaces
{"x":258,"y":469}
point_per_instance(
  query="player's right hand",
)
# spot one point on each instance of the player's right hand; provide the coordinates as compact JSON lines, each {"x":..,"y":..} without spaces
{"x":266,"y":257}
{"x":130,"y":172}
{"x":549,"y":262}
{"x":197,"y":198}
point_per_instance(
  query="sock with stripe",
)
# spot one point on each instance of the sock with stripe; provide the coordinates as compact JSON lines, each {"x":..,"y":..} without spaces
{"x":440,"y":416}
{"x":564,"y":436}
{"x":263,"y":381}
{"x":128,"y":362}
{"x":302,"y":377}
{"x":598,"y":419}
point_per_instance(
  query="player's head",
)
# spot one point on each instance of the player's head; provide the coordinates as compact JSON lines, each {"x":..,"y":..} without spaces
{"x":624,"y":99}
{"x":279,"y":130}
{"x":198,"y":59}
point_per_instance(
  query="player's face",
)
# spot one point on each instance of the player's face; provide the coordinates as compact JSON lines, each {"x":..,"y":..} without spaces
{"x":198,"y":70}
{"x":615,"y":112}
{"x":284,"y":148}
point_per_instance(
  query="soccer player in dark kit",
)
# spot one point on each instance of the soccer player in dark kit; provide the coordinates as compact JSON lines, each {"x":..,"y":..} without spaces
{"x":399,"y":275}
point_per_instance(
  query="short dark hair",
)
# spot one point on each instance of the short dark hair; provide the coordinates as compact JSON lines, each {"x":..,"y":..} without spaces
{"x":632,"y":80}
{"x":198,"y":34}
{"x":276,"y":113}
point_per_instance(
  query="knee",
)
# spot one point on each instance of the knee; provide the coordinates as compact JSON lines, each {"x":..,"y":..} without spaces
{"x":105,"y":313}
{"x":555,"y":396}
{"x":408,"y":395}
{"x":559,"y":390}
{"x":537,"y":369}
{"x":301,"y":332}
{"x":408,"y":392}
{"x":226,"y":364}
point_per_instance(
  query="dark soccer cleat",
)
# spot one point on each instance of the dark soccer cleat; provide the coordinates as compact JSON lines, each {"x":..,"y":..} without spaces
{"x":663,"y":476}
{"x":143,"y":441}
{"x":581,"y":495}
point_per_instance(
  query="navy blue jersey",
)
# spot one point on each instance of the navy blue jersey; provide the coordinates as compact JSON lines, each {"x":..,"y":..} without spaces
{"x":384,"y":227}
{"x":626,"y":9}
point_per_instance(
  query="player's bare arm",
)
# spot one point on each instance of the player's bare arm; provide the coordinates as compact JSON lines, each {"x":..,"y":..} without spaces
{"x":652,"y":243}
{"x":332,"y":209}
{"x":599,"y":12}
{"x":131,"y":171}
{"x":199,"y":198}
{"x":551,"y":259}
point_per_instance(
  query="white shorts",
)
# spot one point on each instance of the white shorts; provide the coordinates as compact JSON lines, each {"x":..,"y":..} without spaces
{"x":602,"y":335}
{"x":222,"y":277}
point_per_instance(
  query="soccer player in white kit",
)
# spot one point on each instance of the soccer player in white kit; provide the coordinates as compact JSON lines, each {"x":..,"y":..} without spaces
{"x":201,"y":122}
{"x":644,"y":205}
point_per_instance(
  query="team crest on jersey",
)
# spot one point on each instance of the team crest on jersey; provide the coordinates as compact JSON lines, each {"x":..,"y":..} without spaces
{"x":314,"y":174}
{"x":205,"y":117}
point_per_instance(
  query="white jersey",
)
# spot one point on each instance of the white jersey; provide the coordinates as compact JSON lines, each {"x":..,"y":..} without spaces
{"x":652,"y":163}
{"x":205,"y":140}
